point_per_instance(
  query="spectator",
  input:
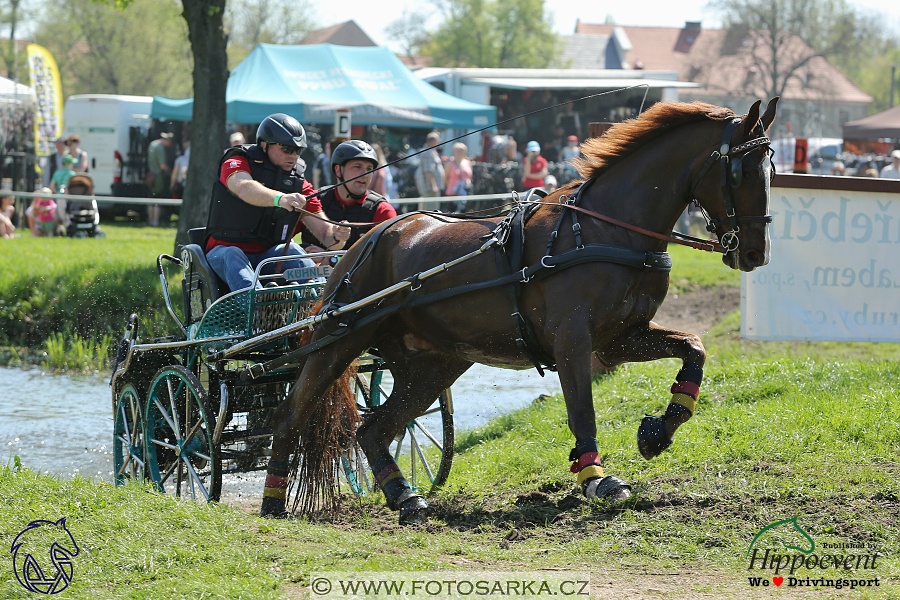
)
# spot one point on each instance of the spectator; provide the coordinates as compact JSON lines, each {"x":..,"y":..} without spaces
{"x":44,"y":213}
{"x":237,"y":139}
{"x":62,"y":175}
{"x":868,"y":170}
{"x":78,"y":155}
{"x":179,"y":170}
{"x":430,"y":173}
{"x":7,"y":210}
{"x":550,"y":184}
{"x":458,"y":173}
{"x":892,"y":171}
{"x":535,"y":166}
{"x":321,"y":172}
{"x":512,"y":152}
{"x":838,"y":169}
{"x":570,"y":153}
{"x":54,"y":162}
{"x":382,"y":179}
{"x":569,"y":120}
{"x":159,"y":174}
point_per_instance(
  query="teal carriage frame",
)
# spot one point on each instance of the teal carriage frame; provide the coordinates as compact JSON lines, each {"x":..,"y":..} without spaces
{"x":184,"y":415}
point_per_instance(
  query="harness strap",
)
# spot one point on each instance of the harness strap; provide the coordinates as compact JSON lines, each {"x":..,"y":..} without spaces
{"x":652,"y":261}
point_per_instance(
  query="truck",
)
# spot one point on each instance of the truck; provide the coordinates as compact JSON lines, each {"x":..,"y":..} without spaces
{"x":113,"y":131}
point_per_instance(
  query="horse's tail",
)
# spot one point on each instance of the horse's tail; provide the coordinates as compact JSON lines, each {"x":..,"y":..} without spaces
{"x":329,"y":433}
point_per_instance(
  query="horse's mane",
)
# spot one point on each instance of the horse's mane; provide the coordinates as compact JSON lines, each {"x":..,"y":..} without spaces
{"x":624,"y":138}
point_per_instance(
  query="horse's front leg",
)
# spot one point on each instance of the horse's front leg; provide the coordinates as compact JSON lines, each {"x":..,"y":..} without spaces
{"x":573,"y":354}
{"x":652,"y":342}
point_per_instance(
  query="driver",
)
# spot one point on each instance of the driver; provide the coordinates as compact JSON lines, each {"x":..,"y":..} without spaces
{"x":253,"y":201}
{"x":351,"y":200}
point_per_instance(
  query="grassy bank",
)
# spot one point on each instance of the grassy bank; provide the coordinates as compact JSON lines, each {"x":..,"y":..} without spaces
{"x":63,"y":300}
{"x":774,"y":437}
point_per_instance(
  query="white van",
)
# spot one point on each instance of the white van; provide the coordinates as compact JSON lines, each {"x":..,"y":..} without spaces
{"x":104,"y":123}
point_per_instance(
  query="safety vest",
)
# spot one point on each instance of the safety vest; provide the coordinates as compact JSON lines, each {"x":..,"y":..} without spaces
{"x":233,"y":220}
{"x":335,"y":210}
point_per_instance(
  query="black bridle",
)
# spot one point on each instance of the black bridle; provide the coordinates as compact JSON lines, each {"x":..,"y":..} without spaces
{"x":730,"y":160}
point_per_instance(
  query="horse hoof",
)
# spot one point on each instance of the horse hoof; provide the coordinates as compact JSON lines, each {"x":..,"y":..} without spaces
{"x":651,"y":437}
{"x":609,"y":488}
{"x":413,"y":511}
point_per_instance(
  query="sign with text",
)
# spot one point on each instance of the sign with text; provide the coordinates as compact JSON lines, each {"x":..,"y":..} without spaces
{"x":304,"y":273}
{"x":833,"y":274}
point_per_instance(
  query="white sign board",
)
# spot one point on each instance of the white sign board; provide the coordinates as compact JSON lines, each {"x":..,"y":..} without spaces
{"x":834,"y":273}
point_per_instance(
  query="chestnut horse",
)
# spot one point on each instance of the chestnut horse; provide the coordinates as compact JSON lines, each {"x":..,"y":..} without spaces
{"x":641,"y":174}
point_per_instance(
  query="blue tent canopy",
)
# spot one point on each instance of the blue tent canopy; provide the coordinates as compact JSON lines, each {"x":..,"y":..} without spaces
{"x":311,"y":82}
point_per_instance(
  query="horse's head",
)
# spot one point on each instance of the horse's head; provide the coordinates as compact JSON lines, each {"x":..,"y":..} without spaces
{"x":733,"y":188}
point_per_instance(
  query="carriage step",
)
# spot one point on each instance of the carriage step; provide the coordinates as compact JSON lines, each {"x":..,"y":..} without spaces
{"x":229,"y":437}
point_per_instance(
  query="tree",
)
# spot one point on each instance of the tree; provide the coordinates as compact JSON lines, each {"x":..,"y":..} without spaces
{"x":142,"y":51}
{"x":493,"y":33}
{"x":205,"y":19}
{"x":252,"y":22}
{"x":409,"y":31}
{"x":12,"y":13}
{"x":782,"y":38}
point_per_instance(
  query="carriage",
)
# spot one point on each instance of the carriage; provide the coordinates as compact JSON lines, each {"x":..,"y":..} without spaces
{"x":538,"y":286}
{"x":186,"y":413}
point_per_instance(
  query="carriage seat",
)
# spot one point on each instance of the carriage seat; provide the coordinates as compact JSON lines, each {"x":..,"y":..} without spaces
{"x":200,"y":286}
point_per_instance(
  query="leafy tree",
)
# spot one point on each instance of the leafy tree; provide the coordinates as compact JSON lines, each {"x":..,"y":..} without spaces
{"x":102,"y":50}
{"x":493,"y":33}
{"x":252,"y":22}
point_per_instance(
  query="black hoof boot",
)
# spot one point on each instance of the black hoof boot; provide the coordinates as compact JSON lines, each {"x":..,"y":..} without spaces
{"x":413,"y":511}
{"x":273,"y":508}
{"x":609,"y":488}
{"x":651,"y":437}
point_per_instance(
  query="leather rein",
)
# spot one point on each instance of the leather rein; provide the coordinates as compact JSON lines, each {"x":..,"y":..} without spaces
{"x":724,"y":155}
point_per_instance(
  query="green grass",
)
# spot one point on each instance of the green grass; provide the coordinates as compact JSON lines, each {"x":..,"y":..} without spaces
{"x":773,"y":437}
{"x":69,"y":295}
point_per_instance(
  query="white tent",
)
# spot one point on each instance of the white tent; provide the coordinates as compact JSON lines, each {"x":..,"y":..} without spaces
{"x":10,"y":91}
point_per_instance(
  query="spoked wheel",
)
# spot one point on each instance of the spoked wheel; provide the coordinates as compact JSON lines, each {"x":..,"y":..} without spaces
{"x":179,"y":426}
{"x":423,"y":450}
{"x":129,"y":459}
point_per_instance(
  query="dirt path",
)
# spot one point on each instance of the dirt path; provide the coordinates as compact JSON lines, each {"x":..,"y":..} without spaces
{"x":697,"y":312}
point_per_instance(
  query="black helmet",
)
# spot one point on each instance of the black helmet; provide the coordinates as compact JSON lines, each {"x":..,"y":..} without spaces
{"x":347,"y":151}
{"x":281,"y":129}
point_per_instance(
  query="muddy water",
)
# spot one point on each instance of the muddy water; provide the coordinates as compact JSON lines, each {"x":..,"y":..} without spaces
{"x":62,"y":424}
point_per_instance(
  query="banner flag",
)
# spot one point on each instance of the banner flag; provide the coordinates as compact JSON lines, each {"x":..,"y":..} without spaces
{"x":48,"y":120}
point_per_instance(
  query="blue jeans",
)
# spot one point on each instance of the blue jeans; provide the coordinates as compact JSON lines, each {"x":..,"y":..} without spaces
{"x":237,"y":268}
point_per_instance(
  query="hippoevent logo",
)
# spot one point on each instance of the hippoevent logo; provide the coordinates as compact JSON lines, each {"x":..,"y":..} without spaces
{"x":787,"y":555}
{"x":42,"y":556}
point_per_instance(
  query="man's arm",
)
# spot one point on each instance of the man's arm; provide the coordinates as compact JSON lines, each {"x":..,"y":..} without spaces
{"x":253,"y":192}
{"x":332,"y":236}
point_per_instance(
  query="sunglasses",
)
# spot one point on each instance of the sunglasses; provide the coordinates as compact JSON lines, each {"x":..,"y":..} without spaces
{"x":290,"y":149}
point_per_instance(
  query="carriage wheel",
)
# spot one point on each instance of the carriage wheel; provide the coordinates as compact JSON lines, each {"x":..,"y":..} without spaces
{"x":423,"y":450}
{"x":178,"y":429}
{"x":129,"y":460}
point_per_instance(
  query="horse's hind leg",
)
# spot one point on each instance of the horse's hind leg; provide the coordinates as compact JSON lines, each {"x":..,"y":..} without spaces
{"x":652,"y":342}
{"x":417,"y":383}
{"x":321,"y":370}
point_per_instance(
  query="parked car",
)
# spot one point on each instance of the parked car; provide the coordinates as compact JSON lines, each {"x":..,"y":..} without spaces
{"x":821,"y":154}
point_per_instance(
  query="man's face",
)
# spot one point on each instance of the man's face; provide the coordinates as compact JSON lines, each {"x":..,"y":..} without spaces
{"x":355,"y":168}
{"x":61,"y":147}
{"x":284,"y":157}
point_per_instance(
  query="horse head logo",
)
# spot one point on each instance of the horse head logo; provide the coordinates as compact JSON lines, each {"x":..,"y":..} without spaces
{"x":39,"y":539}
{"x":796,"y":527}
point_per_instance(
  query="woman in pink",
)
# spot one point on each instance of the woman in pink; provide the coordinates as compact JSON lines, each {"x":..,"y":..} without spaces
{"x":458,"y":174}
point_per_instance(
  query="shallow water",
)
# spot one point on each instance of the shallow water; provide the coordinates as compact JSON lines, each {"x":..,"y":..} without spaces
{"x":62,"y":424}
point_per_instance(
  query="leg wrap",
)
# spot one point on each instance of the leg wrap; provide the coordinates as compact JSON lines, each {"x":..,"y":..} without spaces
{"x":393,"y":484}
{"x":587,"y":462}
{"x":686,"y":388}
{"x":275,"y":492}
